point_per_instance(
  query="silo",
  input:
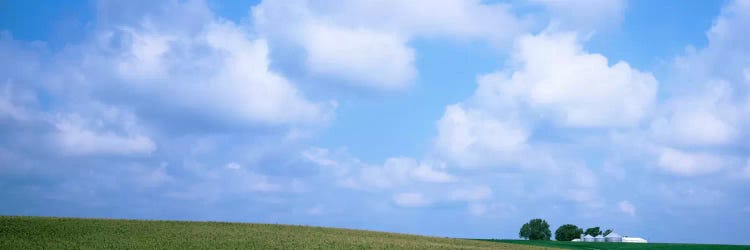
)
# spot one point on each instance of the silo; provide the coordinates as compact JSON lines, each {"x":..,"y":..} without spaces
{"x":588,"y":238}
{"x":613,"y":237}
{"x":599,"y":238}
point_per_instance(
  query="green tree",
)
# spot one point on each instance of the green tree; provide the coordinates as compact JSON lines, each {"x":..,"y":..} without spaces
{"x":593,"y":231}
{"x":606,"y":232}
{"x":536,"y":229}
{"x":525,"y":232}
{"x":568,"y":232}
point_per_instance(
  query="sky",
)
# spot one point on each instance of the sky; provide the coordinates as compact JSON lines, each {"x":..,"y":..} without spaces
{"x":455,"y":118}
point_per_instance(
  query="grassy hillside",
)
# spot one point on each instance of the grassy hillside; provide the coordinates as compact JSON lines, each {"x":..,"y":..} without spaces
{"x":68,"y":233}
{"x":603,"y":245}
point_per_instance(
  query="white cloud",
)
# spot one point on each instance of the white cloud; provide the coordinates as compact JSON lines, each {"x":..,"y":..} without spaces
{"x":626,"y":207}
{"x":473,"y":138}
{"x":551,"y":79}
{"x":233,"y":165}
{"x":365,"y":43}
{"x":585,"y":15}
{"x":450,"y":18}
{"x":181,"y":62}
{"x":410,"y":200}
{"x":706,"y":105}
{"x":75,"y":135}
{"x":427,"y":173}
{"x":689,"y":164}
{"x":578,"y":89}
{"x":395,"y":171}
{"x":363,"y":57}
{"x":725,"y":56}
{"x":146,"y":56}
{"x":324,"y":158}
{"x":709,"y":118}
{"x":9,"y":96}
{"x":232,"y":80}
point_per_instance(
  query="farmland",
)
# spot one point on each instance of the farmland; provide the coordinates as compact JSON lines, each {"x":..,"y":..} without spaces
{"x":69,"y":233}
{"x":624,"y":246}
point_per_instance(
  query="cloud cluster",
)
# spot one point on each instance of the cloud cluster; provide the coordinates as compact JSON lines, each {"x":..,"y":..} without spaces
{"x":366,"y":43}
{"x":707,"y":103}
{"x":553,"y":81}
{"x":350,"y":172}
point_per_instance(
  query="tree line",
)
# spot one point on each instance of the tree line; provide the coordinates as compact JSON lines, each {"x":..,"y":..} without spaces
{"x":538,"y":229}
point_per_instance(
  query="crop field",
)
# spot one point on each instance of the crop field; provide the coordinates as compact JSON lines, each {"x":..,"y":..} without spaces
{"x":628,"y":246}
{"x":68,"y":233}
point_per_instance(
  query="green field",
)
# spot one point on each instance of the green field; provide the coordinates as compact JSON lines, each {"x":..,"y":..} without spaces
{"x":68,"y":233}
{"x":603,"y":245}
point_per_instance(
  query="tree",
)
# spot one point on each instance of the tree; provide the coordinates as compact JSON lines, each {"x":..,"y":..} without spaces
{"x":593,"y":231}
{"x":536,"y":229}
{"x":568,"y":232}
{"x":606,"y":232}
{"x":525,"y":232}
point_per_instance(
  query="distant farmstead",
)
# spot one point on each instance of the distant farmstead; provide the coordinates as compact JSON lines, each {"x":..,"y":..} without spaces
{"x":611,"y":237}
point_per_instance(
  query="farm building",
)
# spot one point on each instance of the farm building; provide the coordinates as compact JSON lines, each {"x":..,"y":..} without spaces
{"x":599,"y":238}
{"x":634,"y":240}
{"x":588,"y":238}
{"x":611,"y":237}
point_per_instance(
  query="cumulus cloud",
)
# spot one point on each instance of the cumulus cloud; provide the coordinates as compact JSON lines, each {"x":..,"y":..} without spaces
{"x":230,"y":75}
{"x":706,"y":103}
{"x":80,"y":141}
{"x":708,"y":118}
{"x":365,"y":43}
{"x":724,"y":57}
{"x":474,"y":138}
{"x":713,"y":111}
{"x":394,"y":172}
{"x":556,"y":76}
{"x":428,"y":173}
{"x":364,"y":57}
{"x":77,"y":135}
{"x":585,"y":16}
{"x":551,"y":80}
{"x":9,"y":107}
{"x":688,"y":163}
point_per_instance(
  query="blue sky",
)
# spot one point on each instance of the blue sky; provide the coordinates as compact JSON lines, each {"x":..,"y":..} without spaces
{"x":452,"y":118}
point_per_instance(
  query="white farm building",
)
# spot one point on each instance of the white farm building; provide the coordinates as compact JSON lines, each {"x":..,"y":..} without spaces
{"x":611,"y":237}
{"x":634,"y":240}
